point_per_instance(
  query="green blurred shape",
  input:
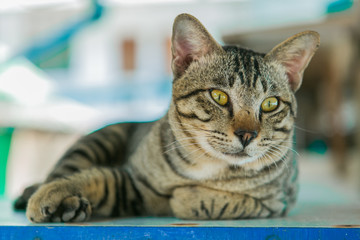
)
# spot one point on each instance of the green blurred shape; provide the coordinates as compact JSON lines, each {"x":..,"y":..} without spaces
{"x":318,"y":146}
{"x":5,"y":140}
{"x":339,"y":6}
{"x":5,"y":97}
{"x":58,"y":57}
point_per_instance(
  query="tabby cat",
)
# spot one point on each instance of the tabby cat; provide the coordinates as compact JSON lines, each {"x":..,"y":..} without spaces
{"x":223,"y":150}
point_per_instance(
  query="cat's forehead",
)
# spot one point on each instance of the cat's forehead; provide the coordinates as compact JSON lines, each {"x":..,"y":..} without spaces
{"x":245,"y":61}
{"x":243,"y":53}
{"x":236,"y":69}
{"x":249,"y":71}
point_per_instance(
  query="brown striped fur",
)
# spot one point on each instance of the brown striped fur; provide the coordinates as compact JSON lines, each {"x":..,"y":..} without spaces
{"x":202,"y":160}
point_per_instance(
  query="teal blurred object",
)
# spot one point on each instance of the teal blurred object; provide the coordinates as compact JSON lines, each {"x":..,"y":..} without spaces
{"x":43,"y":49}
{"x":5,"y":142}
{"x":318,"y":146}
{"x":339,"y":6}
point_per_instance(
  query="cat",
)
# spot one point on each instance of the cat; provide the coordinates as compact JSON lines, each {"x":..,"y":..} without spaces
{"x":222,"y":151}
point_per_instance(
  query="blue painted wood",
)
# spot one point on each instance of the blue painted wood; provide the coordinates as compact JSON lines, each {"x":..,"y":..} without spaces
{"x":321,"y":213}
{"x":307,"y":221}
{"x":209,"y":233}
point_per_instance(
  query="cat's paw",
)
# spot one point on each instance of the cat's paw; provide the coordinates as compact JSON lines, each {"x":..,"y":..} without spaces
{"x":58,"y":203}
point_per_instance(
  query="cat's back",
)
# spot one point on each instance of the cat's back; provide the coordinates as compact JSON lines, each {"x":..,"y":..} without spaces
{"x":127,"y":135}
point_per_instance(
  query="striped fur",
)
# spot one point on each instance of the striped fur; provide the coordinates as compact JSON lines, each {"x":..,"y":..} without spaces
{"x":192,"y":163}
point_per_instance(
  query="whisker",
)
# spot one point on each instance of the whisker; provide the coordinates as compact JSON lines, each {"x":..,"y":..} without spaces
{"x":180,"y":146}
{"x":278,"y":153}
{"x":271,"y":159}
{"x":284,"y":141}
{"x":263,"y":158}
{"x":192,"y":152}
{"x":306,"y":130}
{"x":189,"y":125}
{"x":286,"y":147}
{"x":181,"y":140}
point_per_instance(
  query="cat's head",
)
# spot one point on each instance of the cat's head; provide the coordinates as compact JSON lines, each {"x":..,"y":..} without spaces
{"x":232,"y":103}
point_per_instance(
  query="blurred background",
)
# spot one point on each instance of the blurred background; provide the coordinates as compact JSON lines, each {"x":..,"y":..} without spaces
{"x":68,"y":67}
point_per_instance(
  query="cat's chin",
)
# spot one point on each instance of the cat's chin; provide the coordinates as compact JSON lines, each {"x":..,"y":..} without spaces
{"x":239,"y":158}
{"x":240,"y":154}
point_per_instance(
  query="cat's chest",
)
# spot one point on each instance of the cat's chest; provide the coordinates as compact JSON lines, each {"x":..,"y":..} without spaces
{"x":221,"y":176}
{"x":206,"y":170}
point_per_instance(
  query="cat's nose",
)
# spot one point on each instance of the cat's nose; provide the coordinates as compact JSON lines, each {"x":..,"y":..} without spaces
{"x":245,"y":136}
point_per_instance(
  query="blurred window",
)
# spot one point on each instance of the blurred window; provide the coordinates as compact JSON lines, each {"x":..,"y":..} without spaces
{"x":168,"y":55}
{"x":128,"y":57}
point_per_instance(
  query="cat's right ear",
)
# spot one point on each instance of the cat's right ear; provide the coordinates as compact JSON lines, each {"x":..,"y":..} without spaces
{"x":190,"y":41}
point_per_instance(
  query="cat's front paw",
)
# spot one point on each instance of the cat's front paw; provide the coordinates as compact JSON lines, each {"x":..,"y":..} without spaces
{"x":57,"y":202}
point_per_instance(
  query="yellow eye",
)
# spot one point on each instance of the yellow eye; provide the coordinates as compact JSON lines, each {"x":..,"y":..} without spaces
{"x":219,"y":97}
{"x":269,"y":104}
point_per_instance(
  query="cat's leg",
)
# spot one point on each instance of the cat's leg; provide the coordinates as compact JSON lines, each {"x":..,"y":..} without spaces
{"x":101,"y":191}
{"x":199,"y":203}
{"x":105,"y":147}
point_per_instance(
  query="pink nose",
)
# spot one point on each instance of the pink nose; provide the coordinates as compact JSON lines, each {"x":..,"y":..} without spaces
{"x":245,"y":136}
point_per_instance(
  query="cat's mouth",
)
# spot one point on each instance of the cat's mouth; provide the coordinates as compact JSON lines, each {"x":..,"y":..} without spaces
{"x":239,"y":154}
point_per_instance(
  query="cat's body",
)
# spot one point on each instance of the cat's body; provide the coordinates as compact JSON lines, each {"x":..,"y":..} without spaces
{"x":223,"y":150}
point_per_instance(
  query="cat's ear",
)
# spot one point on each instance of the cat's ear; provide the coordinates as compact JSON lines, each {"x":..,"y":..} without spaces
{"x":190,"y":41}
{"x":295,"y":54}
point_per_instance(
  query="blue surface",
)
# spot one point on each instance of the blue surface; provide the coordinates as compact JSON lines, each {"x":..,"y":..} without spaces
{"x":322,"y":212}
{"x":318,"y":220}
{"x":72,"y":232}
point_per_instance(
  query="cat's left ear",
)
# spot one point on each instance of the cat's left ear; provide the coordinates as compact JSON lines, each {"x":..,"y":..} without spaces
{"x":295,"y":54}
{"x":190,"y":41}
